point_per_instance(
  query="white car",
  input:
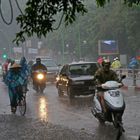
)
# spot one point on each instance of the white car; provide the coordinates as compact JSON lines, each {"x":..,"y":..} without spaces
{"x":52,"y":68}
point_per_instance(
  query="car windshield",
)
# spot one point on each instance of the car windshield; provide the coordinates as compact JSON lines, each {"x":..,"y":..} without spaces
{"x":49,"y":63}
{"x":83,"y":69}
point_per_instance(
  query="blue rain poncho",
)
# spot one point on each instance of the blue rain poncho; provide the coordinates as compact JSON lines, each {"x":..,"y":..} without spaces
{"x":133,"y":64}
{"x":14,"y":82}
{"x":24,"y":67}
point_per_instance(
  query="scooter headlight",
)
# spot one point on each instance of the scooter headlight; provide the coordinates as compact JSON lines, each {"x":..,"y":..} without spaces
{"x":40,"y":76}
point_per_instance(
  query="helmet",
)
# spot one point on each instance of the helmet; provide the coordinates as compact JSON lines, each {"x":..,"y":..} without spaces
{"x":117,"y":58}
{"x":106,"y":62}
{"x":23,"y":60}
{"x":38,"y":59}
{"x":106,"y":65}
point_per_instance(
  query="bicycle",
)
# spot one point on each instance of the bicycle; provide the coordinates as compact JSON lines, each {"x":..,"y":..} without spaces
{"x":21,"y":104}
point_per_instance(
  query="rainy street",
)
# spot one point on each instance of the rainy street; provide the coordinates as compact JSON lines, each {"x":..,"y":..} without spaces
{"x":79,"y":47}
{"x":76,"y":116}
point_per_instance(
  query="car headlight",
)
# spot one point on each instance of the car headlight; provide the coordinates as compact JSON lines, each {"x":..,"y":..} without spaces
{"x":57,"y":78}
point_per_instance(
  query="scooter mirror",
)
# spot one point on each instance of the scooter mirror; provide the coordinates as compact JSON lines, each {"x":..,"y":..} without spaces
{"x":123,"y":76}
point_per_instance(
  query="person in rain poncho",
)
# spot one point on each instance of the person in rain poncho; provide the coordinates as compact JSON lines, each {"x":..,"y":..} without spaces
{"x":15,"y":80}
{"x":116,"y":64}
{"x":24,"y":70}
{"x":133,"y":63}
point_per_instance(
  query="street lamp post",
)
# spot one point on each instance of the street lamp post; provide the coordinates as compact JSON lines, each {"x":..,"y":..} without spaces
{"x":79,"y":41}
{"x":84,"y":47}
{"x":62,"y":39}
{"x":80,"y":44}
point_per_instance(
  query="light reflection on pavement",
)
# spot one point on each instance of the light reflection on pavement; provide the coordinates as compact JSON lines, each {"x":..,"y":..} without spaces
{"x":76,"y":114}
{"x":43,"y":109}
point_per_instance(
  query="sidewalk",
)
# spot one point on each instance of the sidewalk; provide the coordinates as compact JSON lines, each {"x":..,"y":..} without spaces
{"x":129,"y":84}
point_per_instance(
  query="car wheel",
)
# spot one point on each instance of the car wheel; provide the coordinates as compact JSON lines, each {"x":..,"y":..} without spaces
{"x":70,"y":93}
{"x":60,"y":92}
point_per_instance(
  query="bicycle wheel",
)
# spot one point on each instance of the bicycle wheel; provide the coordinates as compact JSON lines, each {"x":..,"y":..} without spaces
{"x":22,"y":106}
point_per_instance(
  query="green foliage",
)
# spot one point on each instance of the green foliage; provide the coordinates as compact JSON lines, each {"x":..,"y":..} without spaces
{"x":132,"y":2}
{"x":101,"y":3}
{"x":39,"y":16}
{"x":115,"y":21}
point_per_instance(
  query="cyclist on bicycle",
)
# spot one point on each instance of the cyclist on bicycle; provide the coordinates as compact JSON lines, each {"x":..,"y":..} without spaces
{"x":15,"y":79}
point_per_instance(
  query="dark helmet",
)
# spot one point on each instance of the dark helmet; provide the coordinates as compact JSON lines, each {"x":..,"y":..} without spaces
{"x":38,"y":60}
{"x":23,"y":60}
{"x":106,"y":63}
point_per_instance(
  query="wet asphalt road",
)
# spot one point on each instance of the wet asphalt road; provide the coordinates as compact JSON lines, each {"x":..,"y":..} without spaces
{"x":75,"y":116}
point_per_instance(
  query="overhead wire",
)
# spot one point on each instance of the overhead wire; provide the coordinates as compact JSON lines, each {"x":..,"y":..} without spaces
{"x":11,"y":8}
{"x":2,"y":16}
{"x":53,"y":28}
{"x":18,"y":7}
{"x":11,"y":19}
{"x":59,"y":22}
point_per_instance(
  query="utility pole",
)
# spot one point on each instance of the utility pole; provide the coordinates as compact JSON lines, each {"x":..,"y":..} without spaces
{"x":79,"y":42}
{"x":63,"y":46}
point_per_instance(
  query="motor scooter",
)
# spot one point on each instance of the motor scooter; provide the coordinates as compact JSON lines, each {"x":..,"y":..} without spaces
{"x":39,"y":80}
{"x":114,"y":104}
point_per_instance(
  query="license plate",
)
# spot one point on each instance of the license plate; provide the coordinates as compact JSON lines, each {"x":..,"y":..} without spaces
{"x":91,"y":87}
{"x":114,"y":93}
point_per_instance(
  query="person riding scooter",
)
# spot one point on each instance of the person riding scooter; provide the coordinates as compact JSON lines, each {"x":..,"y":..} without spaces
{"x":103,"y":75}
{"x":36,"y":67}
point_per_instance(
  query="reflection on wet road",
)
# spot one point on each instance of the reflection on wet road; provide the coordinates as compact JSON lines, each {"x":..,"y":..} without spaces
{"x":43,"y":109}
{"x":76,"y":114}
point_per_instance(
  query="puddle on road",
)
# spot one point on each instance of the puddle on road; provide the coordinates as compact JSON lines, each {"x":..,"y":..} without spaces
{"x":78,"y":102}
